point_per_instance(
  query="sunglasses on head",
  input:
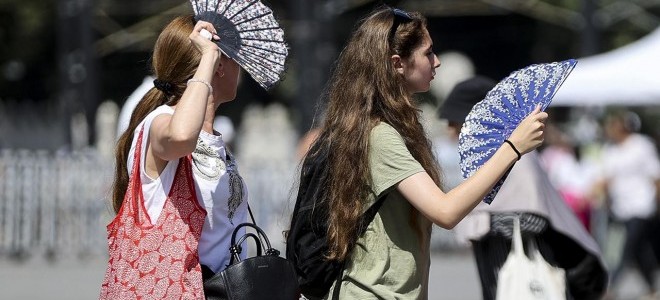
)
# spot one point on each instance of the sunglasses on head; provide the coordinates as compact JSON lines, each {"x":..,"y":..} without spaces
{"x":399,"y":17}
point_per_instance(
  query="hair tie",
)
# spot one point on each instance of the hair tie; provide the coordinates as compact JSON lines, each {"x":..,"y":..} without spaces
{"x":514,"y":148}
{"x":164,"y":86}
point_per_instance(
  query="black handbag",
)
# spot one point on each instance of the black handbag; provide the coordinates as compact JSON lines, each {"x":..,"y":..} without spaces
{"x":264,"y":276}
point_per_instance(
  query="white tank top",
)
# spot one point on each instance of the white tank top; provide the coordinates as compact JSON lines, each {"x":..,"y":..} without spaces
{"x":220,"y":190}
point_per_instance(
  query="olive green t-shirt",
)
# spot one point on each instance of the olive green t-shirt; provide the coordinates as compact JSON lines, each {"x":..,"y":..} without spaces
{"x":391,"y":260}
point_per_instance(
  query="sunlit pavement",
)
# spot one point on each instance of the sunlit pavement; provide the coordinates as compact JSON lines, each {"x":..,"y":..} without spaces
{"x":453,"y":276}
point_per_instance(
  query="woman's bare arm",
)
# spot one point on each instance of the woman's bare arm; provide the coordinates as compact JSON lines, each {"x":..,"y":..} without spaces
{"x":447,"y":209}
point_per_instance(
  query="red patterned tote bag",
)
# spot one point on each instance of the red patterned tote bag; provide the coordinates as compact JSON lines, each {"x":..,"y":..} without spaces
{"x":156,"y":260}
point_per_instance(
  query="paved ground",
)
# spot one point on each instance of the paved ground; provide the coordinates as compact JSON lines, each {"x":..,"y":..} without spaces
{"x":453,"y":277}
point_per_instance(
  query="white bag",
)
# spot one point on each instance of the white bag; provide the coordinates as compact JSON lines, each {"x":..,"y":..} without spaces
{"x":522,"y":278}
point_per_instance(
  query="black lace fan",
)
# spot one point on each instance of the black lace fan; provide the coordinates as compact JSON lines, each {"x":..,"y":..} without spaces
{"x":249,"y":34}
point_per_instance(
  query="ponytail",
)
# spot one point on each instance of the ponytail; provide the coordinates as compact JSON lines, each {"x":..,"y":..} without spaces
{"x":174,"y":61}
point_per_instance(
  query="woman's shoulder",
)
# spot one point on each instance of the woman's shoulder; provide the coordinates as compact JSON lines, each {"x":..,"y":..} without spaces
{"x":163,"y":109}
{"x":384,"y":130}
{"x":383,"y":126}
{"x":145,"y":124}
{"x":384,"y":137}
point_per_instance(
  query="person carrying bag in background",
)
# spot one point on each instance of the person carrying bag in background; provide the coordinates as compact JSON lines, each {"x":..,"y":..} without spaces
{"x":528,"y":196}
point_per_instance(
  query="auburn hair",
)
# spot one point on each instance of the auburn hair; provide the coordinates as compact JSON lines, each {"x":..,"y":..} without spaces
{"x":365,"y":89}
{"x":174,"y":61}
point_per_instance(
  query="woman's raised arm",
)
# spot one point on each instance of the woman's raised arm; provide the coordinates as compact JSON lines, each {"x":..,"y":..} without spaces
{"x":447,"y":209}
{"x":174,"y":136}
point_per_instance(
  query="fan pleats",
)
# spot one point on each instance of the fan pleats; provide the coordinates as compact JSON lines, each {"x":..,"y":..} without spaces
{"x":493,"y":119}
{"x":254,"y":40}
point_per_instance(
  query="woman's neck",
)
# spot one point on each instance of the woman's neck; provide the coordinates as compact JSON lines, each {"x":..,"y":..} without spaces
{"x":209,"y":117}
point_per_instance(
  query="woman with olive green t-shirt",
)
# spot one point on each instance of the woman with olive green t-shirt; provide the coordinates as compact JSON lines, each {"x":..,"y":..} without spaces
{"x":377,"y":145}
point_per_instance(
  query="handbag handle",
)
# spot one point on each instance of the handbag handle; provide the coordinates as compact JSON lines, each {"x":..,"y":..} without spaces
{"x":256,"y":228}
{"x":270,"y":250}
{"x":236,"y":248}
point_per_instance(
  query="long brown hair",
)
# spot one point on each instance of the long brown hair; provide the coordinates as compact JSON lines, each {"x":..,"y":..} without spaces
{"x":366,"y":89}
{"x":174,"y":61}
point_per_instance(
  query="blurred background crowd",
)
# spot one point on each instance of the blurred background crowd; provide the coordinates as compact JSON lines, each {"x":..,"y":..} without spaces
{"x":69,"y":70}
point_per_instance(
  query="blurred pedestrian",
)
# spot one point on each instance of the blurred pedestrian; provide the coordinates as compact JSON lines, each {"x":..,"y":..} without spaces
{"x":377,"y":147}
{"x":528,"y":195}
{"x":567,"y":174}
{"x":177,"y":192}
{"x":631,"y":177}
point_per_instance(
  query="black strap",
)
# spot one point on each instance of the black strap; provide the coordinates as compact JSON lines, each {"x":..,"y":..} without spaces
{"x":369,"y":216}
{"x":251,"y":215}
{"x":337,"y":289}
{"x":261,"y":234}
{"x":514,"y":148}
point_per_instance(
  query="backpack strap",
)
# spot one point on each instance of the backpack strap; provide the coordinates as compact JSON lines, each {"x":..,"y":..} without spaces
{"x":368,"y":216}
{"x":337,"y":289}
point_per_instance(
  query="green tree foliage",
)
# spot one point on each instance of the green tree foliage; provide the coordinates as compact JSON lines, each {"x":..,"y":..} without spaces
{"x":27,"y":55}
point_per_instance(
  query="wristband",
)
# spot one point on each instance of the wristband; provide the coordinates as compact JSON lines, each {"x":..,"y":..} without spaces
{"x":208,"y":85}
{"x":514,"y":148}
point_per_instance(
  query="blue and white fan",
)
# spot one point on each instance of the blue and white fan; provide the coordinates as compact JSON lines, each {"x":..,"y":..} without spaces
{"x":249,"y":34}
{"x":493,"y":119}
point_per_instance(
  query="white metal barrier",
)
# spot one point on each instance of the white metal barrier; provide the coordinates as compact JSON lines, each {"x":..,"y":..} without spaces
{"x":53,"y":204}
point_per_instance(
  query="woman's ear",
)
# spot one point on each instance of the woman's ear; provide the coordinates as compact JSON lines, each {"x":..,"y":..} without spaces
{"x":220,"y":70}
{"x":397,"y":63}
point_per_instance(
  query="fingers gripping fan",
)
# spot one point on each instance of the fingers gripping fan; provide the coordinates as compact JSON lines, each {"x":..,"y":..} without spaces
{"x":249,"y":34}
{"x":492,"y":120}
